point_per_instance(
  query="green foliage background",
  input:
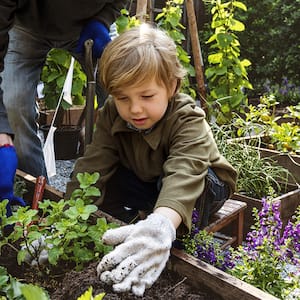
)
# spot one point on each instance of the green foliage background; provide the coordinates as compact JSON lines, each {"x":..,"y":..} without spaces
{"x":271,"y":41}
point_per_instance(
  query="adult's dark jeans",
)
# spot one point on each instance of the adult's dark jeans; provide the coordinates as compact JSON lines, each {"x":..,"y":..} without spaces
{"x":126,"y":195}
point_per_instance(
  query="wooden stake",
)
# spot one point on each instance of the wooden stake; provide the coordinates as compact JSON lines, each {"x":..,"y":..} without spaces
{"x":141,"y":10}
{"x":196,"y":50}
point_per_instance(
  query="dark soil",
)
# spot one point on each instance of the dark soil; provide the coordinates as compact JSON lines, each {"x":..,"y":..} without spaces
{"x":70,"y":285}
{"x":169,"y":286}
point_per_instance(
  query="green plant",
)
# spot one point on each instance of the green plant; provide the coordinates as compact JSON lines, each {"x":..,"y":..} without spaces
{"x":257,"y":177}
{"x":125,"y":21}
{"x":53,"y":76}
{"x":226,"y":75}
{"x":19,"y":187}
{"x":202,"y":245}
{"x":262,"y":120}
{"x":88,"y":295}
{"x":266,"y":260}
{"x":66,"y":229}
{"x":170,"y":20}
{"x":11,"y":288}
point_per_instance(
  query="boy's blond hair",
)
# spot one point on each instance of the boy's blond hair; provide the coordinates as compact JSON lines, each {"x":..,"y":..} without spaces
{"x":137,"y":55}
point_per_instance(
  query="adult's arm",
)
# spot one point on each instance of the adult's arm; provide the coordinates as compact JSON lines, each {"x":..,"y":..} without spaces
{"x":7,"y":12}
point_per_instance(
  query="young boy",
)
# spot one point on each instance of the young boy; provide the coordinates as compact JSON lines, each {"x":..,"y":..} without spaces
{"x":155,"y":153}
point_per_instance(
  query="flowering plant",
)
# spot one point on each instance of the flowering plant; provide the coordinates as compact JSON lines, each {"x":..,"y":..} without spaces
{"x":202,"y":245}
{"x":269,"y":259}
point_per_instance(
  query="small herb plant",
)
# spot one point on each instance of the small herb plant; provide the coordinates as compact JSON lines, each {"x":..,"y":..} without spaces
{"x":268,"y":260}
{"x":89,"y":296}
{"x":65,"y":229}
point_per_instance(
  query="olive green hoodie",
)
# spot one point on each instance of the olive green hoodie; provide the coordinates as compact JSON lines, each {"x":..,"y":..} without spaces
{"x":180,"y":147}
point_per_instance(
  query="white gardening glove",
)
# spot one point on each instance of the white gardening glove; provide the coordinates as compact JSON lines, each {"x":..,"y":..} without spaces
{"x":40,"y":248}
{"x":140,"y":258}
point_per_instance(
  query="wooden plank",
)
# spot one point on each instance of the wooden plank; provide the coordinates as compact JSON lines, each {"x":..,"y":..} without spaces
{"x":49,"y":192}
{"x":223,"y":284}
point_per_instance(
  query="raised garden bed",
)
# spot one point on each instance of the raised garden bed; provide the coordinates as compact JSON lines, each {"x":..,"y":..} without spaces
{"x":289,"y":200}
{"x":287,"y":160}
{"x":288,"y":205}
{"x":184,"y":278}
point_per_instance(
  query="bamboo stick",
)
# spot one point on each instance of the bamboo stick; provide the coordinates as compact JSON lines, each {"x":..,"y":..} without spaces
{"x":196,"y":50}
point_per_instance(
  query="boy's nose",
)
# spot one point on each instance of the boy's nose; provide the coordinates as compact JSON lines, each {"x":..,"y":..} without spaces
{"x":135,"y":107}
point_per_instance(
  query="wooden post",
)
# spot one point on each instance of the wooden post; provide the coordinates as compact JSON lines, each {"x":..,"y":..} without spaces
{"x":141,"y":10}
{"x":196,"y":50}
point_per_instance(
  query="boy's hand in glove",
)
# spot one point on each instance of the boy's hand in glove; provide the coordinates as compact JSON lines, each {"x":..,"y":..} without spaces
{"x":142,"y":253}
{"x":96,"y":31}
{"x":8,"y":167}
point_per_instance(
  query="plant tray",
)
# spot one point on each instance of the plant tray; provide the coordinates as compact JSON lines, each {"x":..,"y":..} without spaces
{"x":198,"y":273}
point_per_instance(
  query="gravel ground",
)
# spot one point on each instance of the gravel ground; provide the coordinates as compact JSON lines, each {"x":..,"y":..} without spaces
{"x":64,"y":169}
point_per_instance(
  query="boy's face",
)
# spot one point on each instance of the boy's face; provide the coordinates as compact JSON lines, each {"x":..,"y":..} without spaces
{"x":143,"y":105}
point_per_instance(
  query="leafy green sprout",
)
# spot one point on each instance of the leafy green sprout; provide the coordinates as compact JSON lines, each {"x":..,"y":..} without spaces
{"x":66,"y":229}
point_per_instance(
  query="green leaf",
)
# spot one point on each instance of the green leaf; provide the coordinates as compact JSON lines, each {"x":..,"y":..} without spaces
{"x":88,"y":210}
{"x":224,"y":39}
{"x":236,"y":25}
{"x":92,"y":192}
{"x":221,"y":70}
{"x":33,"y":292}
{"x":239,"y":5}
{"x":54,"y":254}
{"x":215,"y":58}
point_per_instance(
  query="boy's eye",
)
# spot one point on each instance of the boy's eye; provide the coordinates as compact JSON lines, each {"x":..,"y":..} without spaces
{"x":147,"y":96}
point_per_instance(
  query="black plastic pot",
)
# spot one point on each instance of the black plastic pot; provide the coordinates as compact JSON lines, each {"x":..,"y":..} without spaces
{"x":66,"y":141}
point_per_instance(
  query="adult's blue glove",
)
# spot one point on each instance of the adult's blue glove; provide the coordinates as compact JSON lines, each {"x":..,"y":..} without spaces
{"x":96,"y":31}
{"x":8,"y":166}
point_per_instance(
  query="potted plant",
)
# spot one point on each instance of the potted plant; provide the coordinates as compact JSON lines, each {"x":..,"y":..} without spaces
{"x":66,"y":137}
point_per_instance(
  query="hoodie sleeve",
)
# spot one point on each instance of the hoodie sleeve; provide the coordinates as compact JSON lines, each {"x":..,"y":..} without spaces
{"x":111,"y":12}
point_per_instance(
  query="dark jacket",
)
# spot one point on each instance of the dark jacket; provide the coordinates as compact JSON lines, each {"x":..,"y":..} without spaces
{"x":51,"y":19}
{"x":180,"y":147}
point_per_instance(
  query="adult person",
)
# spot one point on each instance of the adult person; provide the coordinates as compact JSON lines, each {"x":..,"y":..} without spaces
{"x":155,"y":153}
{"x":29,"y":29}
